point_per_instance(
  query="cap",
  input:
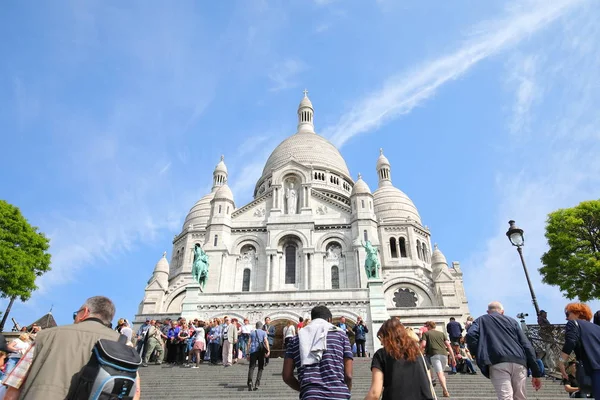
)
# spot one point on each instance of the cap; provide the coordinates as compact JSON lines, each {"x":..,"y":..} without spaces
{"x":543,"y":311}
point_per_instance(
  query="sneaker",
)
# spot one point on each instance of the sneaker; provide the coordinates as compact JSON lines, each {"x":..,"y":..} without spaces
{"x":144,"y":365}
{"x":195,"y":366}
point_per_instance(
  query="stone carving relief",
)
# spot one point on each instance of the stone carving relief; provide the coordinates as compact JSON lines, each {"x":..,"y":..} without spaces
{"x":322,"y":210}
{"x":248,"y":256}
{"x":254,"y":316}
{"x":259,"y":212}
{"x":334,"y":252}
{"x":291,"y":197}
{"x":423,"y":276}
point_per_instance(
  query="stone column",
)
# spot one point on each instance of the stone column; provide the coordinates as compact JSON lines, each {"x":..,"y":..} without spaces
{"x":306,"y":257}
{"x":268,"y":272}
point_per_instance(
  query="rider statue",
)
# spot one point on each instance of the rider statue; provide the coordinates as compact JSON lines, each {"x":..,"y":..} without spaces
{"x":200,"y":266}
{"x":372,"y":264}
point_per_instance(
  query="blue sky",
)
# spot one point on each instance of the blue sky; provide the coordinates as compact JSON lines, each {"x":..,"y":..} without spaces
{"x":113,"y":116}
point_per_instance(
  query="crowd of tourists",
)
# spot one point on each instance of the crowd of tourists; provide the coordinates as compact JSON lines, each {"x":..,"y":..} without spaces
{"x":55,"y":363}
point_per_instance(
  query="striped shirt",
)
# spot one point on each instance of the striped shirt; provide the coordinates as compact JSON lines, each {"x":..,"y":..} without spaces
{"x":324,"y":380}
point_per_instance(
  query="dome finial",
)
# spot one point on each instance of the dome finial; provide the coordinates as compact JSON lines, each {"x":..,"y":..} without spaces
{"x":305,"y":115}
{"x":383,"y":170}
{"x":359,"y":175}
{"x":220,"y":174}
{"x":435,"y":246}
{"x":164,"y":254}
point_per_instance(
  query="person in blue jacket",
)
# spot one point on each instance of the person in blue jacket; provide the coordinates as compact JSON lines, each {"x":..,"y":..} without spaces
{"x":503,"y":353}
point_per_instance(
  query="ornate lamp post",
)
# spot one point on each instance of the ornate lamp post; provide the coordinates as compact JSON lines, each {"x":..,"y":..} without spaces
{"x":515,"y":235}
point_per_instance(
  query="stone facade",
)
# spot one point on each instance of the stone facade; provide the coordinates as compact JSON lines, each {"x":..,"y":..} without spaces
{"x":299,"y":243}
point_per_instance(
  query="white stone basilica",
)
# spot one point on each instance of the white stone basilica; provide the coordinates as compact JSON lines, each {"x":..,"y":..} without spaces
{"x":298,"y":243}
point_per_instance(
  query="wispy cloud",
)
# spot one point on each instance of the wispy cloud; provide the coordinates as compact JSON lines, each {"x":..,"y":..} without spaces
{"x":558,"y":161}
{"x":284,"y":75}
{"x":404,"y":92}
{"x":523,"y":76}
{"x":165,"y":168}
{"x":322,"y":27}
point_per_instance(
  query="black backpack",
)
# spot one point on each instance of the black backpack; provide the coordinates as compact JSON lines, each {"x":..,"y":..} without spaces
{"x":110,"y":374}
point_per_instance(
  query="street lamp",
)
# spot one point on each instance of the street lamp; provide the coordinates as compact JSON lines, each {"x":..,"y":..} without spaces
{"x":515,"y":235}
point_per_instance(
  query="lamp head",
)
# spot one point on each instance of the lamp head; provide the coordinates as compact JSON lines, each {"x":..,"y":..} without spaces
{"x":515,"y":234}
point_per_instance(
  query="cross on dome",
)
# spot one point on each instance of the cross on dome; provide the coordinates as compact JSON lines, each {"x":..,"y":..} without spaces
{"x":305,"y":93}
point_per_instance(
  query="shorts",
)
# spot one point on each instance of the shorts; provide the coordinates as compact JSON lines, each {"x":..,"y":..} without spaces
{"x":439,"y":362}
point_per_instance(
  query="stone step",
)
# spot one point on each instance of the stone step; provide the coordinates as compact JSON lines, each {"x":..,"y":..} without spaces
{"x":218,"y":382}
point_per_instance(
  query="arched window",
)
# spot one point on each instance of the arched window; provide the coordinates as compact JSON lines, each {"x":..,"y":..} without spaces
{"x":402,"y":242}
{"x":365,"y":235}
{"x":362,"y":203}
{"x":393,"y":248}
{"x":246,"y":281}
{"x":177,"y":257}
{"x":419,"y":254}
{"x":425,"y":254}
{"x":220,"y":209}
{"x":335,"y":277}
{"x":290,"y":264}
{"x":216,"y":240}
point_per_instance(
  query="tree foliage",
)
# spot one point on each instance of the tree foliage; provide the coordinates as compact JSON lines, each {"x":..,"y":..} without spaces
{"x":573,"y":261}
{"x":23,"y":253}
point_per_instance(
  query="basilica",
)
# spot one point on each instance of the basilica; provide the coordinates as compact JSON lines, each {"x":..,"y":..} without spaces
{"x":301,"y":242}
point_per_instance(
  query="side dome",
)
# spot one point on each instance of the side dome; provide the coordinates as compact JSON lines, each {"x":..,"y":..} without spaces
{"x":162,"y":265}
{"x":392,"y":204}
{"x":437,"y":257}
{"x":200,"y":212}
{"x":360,"y":187}
{"x":224,"y":193}
{"x":307,"y":149}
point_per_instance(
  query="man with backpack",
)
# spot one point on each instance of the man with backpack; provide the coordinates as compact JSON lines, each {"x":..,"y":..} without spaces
{"x":61,"y":353}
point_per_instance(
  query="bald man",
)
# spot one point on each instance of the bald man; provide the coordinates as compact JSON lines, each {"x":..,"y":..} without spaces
{"x":503,"y":353}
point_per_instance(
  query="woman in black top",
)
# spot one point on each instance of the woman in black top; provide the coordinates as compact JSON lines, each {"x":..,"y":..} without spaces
{"x":582,"y":337}
{"x":398,"y":369}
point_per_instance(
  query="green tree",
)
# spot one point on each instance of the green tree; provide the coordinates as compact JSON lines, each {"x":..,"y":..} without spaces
{"x":23,"y":256}
{"x":573,"y":261}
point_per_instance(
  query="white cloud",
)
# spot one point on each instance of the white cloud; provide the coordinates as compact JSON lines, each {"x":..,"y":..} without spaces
{"x":558,"y":163}
{"x":404,"y":92}
{"x":284,"y":75}
{"x":523,"y":75}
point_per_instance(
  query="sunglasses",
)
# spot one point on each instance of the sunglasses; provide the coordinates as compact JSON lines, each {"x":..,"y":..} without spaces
{"x":567,"y":313}
{"x":75,"y":313}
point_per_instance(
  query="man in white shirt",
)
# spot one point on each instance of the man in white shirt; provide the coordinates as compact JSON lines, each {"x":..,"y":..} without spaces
{"x":247,"y":328}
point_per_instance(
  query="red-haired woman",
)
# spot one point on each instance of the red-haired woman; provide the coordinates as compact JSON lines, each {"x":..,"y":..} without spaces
{"x":583,"y":337}
{"x":398,"y":369}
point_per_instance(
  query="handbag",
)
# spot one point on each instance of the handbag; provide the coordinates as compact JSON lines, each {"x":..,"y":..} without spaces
{"x":428,"y":378}
{"x":584,"y":380}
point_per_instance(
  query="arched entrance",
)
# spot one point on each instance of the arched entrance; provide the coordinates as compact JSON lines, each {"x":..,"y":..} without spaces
{"x":350,"y":324}
{"x":278,"y":350}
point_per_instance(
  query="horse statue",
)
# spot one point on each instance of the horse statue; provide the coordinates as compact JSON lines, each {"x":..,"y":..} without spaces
{"x":372,"y":264}
{"x":200,"y":266}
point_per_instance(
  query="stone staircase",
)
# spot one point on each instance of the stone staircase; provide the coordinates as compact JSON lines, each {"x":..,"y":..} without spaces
{"x":216,"y":382}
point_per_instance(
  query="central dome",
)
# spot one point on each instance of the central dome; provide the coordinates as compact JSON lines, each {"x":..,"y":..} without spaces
{"x":307,"y":149}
